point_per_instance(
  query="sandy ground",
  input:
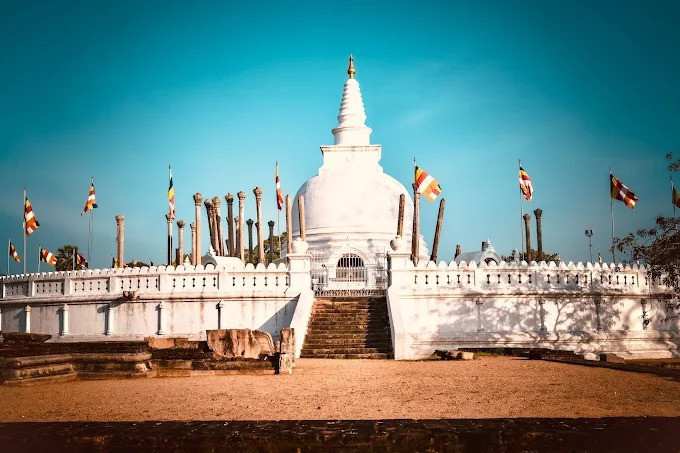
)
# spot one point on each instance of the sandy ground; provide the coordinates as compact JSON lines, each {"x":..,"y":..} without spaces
{"x":487,"y":387}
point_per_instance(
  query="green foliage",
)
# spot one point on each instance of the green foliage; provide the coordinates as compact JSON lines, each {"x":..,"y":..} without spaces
{"x":66,"y":257}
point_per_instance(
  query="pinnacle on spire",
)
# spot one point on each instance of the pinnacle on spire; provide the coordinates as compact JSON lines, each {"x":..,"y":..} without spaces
{"x":350,"y":70}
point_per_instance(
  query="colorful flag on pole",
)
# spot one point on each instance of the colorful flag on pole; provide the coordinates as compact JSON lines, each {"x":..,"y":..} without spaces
{"x":622,"y":193}
{"x":48,"y":257}
{"x":81,"y":261}
{"x":30,"y":221}
{"x":279,"y":192}
{"x":171,"y":195}
{"x":13,"y":253}
{"x":676,"y":197}
{"x":525,"y":184}
{"x":427,"y":185}
{"x":91,"y":202}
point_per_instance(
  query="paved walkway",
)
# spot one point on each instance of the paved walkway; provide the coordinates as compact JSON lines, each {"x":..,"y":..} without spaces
{"x":654,"y":434}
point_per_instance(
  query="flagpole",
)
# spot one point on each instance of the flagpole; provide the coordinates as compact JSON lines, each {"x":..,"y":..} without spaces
{"x":23,"y":232}
{"x":8,"y":243}
{"x":611,"y":206}
{"x":672,"y":195}
{"x":521,"y":217}
{"x":89,"y":237}
{"x":39,"y":250}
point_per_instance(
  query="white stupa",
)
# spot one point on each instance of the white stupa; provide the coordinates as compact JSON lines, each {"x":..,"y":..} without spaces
{"x":351,"y":206}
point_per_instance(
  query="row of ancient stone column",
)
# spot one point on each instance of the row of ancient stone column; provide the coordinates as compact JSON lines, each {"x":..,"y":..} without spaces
{"x":235,"y":232}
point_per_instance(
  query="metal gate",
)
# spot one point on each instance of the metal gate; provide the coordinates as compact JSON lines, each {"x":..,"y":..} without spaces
{"x":351,"y":273}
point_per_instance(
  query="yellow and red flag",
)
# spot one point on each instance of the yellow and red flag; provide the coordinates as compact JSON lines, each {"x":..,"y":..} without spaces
{"x":48,"y":257}
{"x":30,"y":221}
{"x":525,"y":184}
{"x":622,"y":193}
{"x":427,"y":185}
{"x":171,"y":196}
{"x":279,"y":192}
{"x":13,"y":253}
{"x":91,"y":202}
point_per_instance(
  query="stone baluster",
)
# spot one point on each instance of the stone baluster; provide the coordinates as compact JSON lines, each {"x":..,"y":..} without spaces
{"x":527,"y":231}
{"x":301,"y":217}
{"x":271,"y":241}
{"x":249,"y":222}
{"x":162,"y":307}
{"x":198,"y":199}
{"x":400,"y":218}
{"x":209,"y":210}
{"x":241,"y":215}
{"x":180,"y":242}
{"x":260,"y":237}
{"x":415,"y":235}
{"x":289,"y":225}
{"x":218,"y":226}
{"x":539,"y":234}
{"x":193,"y":242}
{"x":230,"y":224}
{"x":168,"y":219}
{"x":27,"y":319}
{"x":120,"y":239}
{"x":110,"y":328}
{"x":438,"y":230}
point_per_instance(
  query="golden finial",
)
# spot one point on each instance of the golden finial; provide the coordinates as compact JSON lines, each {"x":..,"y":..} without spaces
{"x":351,"y":71}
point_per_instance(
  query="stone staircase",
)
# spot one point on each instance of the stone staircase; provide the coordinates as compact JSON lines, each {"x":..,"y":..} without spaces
{"x":349,"y":328}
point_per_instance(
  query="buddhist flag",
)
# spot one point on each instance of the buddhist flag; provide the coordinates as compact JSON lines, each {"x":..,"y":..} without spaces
{"x":676,"y":197}
{"x":171,"y":195}
{"x":13,"y":253}
{"x":30,"y":221}
{"x":622,"y":193}
{"x":48,"y":257}
{"x":279,"y":192}
{"x":81,"y":261}
{"x":91,"y":202}
{"x":525,"y":184}
{"x":427,"y":185}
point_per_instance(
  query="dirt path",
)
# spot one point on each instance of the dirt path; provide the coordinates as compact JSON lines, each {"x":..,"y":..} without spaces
{"x":489,"y":387}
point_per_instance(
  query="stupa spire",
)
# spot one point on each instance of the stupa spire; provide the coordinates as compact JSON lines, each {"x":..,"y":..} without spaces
{"x":352,"y":129}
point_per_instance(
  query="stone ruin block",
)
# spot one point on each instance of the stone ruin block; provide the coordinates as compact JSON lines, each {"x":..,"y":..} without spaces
{"x":286,"y":351}
{"x":239,"y":343}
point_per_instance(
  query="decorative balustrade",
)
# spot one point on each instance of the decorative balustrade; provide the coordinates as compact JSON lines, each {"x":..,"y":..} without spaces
{"x":509,"y":278}
{"x":262,"y":280}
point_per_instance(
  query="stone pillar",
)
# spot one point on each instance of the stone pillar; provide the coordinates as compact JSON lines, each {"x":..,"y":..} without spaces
{"x":230,"y":224}
{"x":64,"y":320}
{"x":180,"y":241}
{"x":193,"y":243}
{"x":438,"y":230}
{"x":110,"y":328}
{"x":260,"y":237}
{"x":162,"y":306}
{"x":400,"y":218}
{"x":241,"y":216}
{"x":218,"y":226}
{"x":415,"y":235}
{"x":220,"y":309}
{"x":237,"y":231}
{"x":196,"y":259}
{"x":539,"y":234}
{"x":211,"y":223}
{"x":120,"y":239}
{"x":459,"y":250}
{"x":527,"y":230}
{"x":27,"y":318}
{"x":168,"y":218}
{"x":271,"y":241}
{"x":289,"y":226}
{"x":301,"y":217}
{"x":249,"y":222}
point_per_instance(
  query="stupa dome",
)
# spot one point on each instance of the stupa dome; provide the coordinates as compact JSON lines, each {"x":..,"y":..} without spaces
{"x":352,"y":204}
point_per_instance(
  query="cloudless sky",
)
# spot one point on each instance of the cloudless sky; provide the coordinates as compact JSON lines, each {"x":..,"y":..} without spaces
{"x":221,"y":90}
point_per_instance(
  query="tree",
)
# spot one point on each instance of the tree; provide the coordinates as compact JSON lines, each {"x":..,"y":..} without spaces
{"x":66,"y":258}
{"x":659,"y":248}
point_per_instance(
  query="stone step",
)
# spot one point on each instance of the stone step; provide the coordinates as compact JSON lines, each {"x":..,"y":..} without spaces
{"x":348,"y":356}
{"x":353,"y":317}
{"x":357,"y":323}
{"x":347,"y":350}
{"x":350,"y":336}
{"x":322,"y":345}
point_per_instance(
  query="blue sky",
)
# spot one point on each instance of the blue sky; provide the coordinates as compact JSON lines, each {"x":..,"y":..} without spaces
{"x":221,"y":90}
